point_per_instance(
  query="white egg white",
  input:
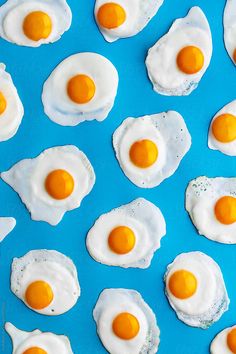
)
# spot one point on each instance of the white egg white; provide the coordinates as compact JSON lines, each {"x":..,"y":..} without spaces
{"x":230,"y":27}
{"x":138,"y":15}
{"x":27,"y":178}
{"x":55,"y":269}
{"x":201,"y":196}
{"x":57,"y":104}
{"x":13,"y":13}
{"x":225,"y":148}
{"x":50,"y":342}
{"x":219,"y":343}
{"x":210,"y":301}
{"x":6,"y":226}
{"x":11,"y":118}
{"x":170,"y":134}
{"x":161,"y":64}
{"x":111,"y":303}
{"x":144,"y":219}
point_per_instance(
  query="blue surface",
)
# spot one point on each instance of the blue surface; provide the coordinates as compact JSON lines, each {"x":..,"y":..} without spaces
{"x":29,"y":69}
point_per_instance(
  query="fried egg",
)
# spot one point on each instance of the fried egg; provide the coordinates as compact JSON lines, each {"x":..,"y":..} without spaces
{"x":37,"y":342}
{"x":127,"y":236}
{"x":125,"y":323}
{"x":32,"y":22}
{"x":177,"y":62}
{"x":149,"y":149}
{"x":46,"y":281}
{"x":53,"y":183}
{"x":124,"y":18}
{"x":11,"y":108}
{"x":6,"y":226}
{"x":222,"y":132}
{"x":82,"y":87}
{"x":211,"y":204}
{"x":224,"y":342}
{"x":230,"y":29}
{"x":195,"y":289}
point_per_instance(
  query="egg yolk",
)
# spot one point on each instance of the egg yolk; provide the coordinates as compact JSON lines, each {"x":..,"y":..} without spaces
{"x":234,"y":55}
{"x":3,"y":103}
{"x":125,"y":326}
{"x":59,"y":184}
{"x":37,"y":25}
{"x":143,"y":153}
{"x":182,"y":284}
{"x":81,"y":89}
{"x":225,"y":210}
{"x":39,"y":295}
{"x":231,"y":340}
{"x":111,"y":15}
{"x":224,"y":128}
{"x":121,"y":240}
{"x":35,"y":350}
{"x":190,"y":60}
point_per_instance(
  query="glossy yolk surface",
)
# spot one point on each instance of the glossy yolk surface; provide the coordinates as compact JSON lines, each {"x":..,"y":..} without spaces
{"x":37,"y":25}
{"x":224,"y":128}
{"x":182,"y":284}
{"x":59,"y":184}
{"x":39,"y":295}
{"x":125,"y":326}
{"x":231,"y":340}
{"x":3,"y":103}
{"x":81,"y":89}
{"x":111,"y":15}
{"x":225,"y":210}
{"x":121,"y":240}
{"x":190,"y":60}
{"x":35,"y":350}
{"x":143,"y":153}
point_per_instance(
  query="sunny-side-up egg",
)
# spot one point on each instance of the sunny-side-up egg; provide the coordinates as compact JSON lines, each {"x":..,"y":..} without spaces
{"x":222,"y":132}
{"x":82,"y":87}
{"x":125,"y":323}
{"x":37,"y":342}
{"x":149,"y":149}
{"x":211,"y":204}
{"x":6,"y":226}
{"x":46,"y":281}
{"x":11,"y":108}
{"x":195,"y":289}
{"x":127,"y":236}
{"x":124,"y":18}
{"x":177,"y":62}
{"x":224,"y":342}
{"x":53,"y":183}
{"x":230,"y":29}
{"x":32,"y":23}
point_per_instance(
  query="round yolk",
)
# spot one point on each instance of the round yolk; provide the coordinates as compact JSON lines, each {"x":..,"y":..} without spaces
{"x":3,"y":103}
{"x":224,"y":128}
{"x":111,"y":15}
{"x":35,"y":350}
{"x":231,"y":340}
{"x":125,"y":326}
{"x":121,"y":240}
{"x":39,"y":295}
{"x":37,"y":25}
{"x":234,"y":55}
{"x":225,"y":210}
{"x":182,"y":284}
{"x":81,"y":89}
{"x":59,"y":184}
{"x":190,"y":60}
{"x":143,"y":153}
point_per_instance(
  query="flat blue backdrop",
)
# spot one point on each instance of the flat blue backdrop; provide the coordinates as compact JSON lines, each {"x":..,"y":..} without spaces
{"x":29,"y":68}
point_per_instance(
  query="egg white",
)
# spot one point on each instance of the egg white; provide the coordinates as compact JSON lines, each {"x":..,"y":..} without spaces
{"x":219,"y":343}
{"x":230,"y":27}
{"x":6,"y":226}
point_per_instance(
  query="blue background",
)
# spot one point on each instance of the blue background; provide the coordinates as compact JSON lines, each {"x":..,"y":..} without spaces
{"x":29,"y":68}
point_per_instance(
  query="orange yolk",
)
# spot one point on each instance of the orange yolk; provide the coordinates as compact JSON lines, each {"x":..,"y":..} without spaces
{"x":190,"y":60}
{"x":35,"y":350}
{"x":3,"y":103}
{"x":37,"y":25}
{"x":59,"y":184}
{"x":39,"y":295}
{"x":234,"y":55}
{"x":231,"y":340}
{"x":125,"y":326}
{"x":182,"y":284}
{"x":225,"y":210}
{"x":121,"y":240}
{"x":143,"y":153}
{"x":111,"y":15}
{"x":81,"y":89}
{"x":224,"y":128}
